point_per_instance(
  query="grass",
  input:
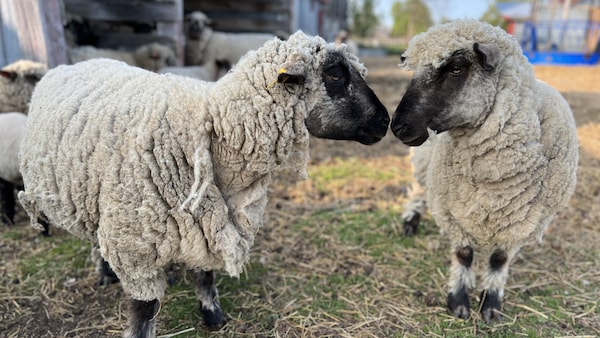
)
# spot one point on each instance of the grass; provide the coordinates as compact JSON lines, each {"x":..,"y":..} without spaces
{"x":330,"y":262}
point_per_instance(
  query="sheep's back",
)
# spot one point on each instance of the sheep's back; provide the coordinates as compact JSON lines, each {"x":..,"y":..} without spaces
{"x":90,"y":144}
{"x":232,"y":46}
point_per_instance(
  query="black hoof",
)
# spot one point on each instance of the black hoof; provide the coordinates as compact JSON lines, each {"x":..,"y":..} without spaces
{"x":213,"y":320}
{"x":490,"y":309}
{"x":411,"y":224}
{"x":458,"y":304}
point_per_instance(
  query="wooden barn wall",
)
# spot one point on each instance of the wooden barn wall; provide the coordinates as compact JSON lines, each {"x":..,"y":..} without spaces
{"x":322,"y":17}
{"x":32,"y":29}
{"x":164,"y":18}
{"x":266,"y":16}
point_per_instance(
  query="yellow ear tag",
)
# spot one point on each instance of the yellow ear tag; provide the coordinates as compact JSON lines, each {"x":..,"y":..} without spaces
{"x":280,"y":71}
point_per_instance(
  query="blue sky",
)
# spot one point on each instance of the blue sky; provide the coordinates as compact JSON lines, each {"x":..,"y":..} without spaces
{"x":452,"y":9}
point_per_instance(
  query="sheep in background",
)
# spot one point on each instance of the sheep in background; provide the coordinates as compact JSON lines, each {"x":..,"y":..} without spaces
{"x":12,"y":128}
{"x":204,"y":45}
{"x":152,"y":56}
{"x":211,"y":71}
{"x":17,"y":81}
{"x":504,"y":159}
{"x":159,"y":169}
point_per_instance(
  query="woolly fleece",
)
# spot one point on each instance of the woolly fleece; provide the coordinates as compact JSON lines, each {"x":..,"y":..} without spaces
{"x":12,"y":128}
{"x":501,"y":182}
{"x":160,"y":168}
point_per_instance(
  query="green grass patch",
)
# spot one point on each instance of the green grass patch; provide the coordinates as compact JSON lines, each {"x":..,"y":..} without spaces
{"x":60,"y":257}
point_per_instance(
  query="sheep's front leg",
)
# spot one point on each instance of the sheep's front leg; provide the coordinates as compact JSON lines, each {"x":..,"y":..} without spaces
{"x":207,"y":294}
{"x":106,"y":275}
{"x":7,"y":202}
{"x":142,"y":323}
{"x":461,"y":281}
{"x":493,"y":286}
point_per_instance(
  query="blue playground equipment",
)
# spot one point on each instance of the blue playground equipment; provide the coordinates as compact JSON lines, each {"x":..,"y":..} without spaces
{"x":561,"y":42}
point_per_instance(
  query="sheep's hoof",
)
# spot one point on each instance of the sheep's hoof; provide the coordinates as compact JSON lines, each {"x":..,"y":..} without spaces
{"x":213,"y":319}
{"x":490,"y":309}
{"x":411,"y":224}
{"x":458,"y":304}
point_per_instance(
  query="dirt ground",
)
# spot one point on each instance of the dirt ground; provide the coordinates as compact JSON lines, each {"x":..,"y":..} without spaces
{"x":580,"y":224}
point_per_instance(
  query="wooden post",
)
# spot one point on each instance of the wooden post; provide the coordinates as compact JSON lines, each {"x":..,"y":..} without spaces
{"x":33,"y":30}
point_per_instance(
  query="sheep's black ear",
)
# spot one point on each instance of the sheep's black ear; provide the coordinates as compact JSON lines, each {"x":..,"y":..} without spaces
{"x":292,"y":73}
{"x":8,"y":74}
{"x":488,"y":55}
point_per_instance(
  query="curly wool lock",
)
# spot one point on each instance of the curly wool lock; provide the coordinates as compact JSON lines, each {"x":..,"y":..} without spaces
{"x":504,"y":160}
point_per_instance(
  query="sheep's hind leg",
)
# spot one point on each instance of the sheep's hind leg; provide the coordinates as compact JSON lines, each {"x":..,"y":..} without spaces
{"x":207,"y":294}
{"x":493,"y":286}
{"x":142,"y":323}
{"x":414,"y":209}
{"x":460,"y":283}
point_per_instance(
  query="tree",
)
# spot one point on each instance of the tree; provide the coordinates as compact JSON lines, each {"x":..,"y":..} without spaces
{"x":364,"y":20}
{"x":410,"y":17}
{"x":492,"y":15}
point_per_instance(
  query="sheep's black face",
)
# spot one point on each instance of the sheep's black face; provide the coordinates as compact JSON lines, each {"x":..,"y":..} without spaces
{"x":351,"y":111}
{"x":457,"y":94}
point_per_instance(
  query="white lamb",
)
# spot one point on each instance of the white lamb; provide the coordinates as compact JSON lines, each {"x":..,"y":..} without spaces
{"x":204,"y":45}
{"x":12,"y":128}
{"x":17,"y":81}
{"x":152,"y":56}
{"x":211,"y":71}
{"x":504,"y":159}
{"x":159,"y":168}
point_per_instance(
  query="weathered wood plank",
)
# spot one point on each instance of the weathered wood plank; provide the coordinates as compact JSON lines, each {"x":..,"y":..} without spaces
{"x":32,"y":29}
{"x":119,"y":10}
{"x":276,"y":6}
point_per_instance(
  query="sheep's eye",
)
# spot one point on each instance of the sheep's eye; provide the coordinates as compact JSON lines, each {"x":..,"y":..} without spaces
{"x":456,"y":70}
{"x":334,"y":77}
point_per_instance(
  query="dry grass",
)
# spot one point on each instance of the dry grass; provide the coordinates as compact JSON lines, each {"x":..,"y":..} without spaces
{"x":330,"y":261}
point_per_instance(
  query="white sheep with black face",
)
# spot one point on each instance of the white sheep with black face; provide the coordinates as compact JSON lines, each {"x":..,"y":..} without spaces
{"x":504,"y":159}
{"x":159,"y":169}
